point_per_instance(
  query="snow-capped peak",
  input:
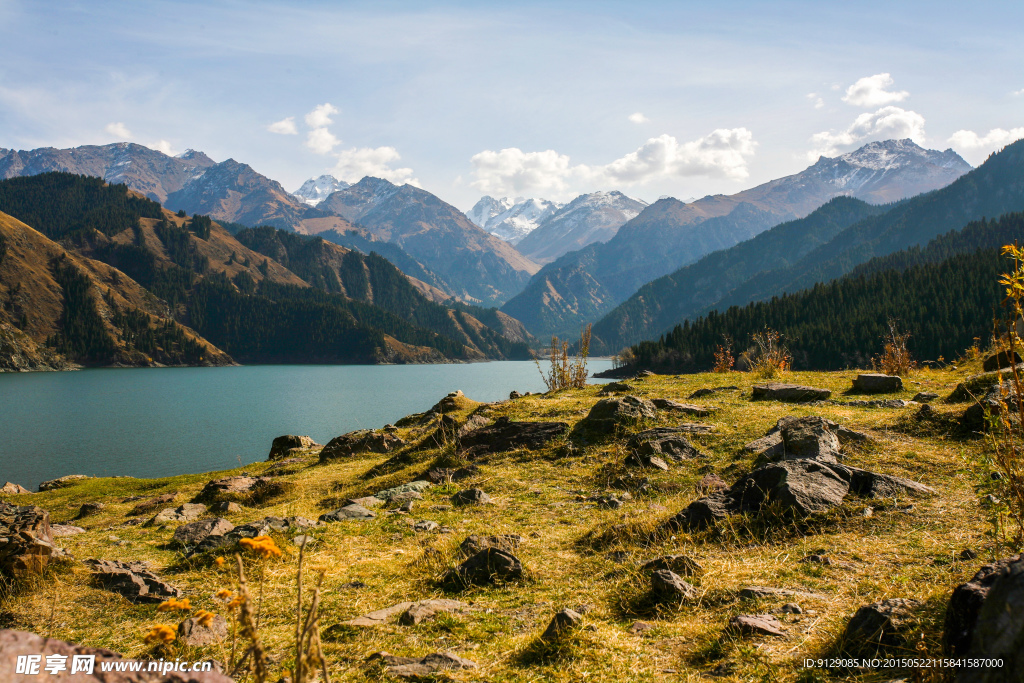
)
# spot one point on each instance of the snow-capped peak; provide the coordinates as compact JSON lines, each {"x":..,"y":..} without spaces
{"x":511,"y":219}
{"x":315,"y":190}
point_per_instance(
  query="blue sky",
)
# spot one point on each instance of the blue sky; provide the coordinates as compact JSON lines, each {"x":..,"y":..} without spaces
{"x":533,"y":99}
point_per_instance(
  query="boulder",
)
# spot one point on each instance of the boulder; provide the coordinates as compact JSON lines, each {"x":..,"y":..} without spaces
{"x":474,"y":544}
{"x":614,"y":388}
{"x":505,"y":435}
{"x":360,"y":441}
{"x":259,"y":527}
{"x":666,"y":585}
{"x":611,"y":413}
{"x":563,"y":622}
{"x":680,"y":564}
{"x":192,"y":632}
{"x":788,"y":393}
{"x":196,"y":532}
{"x":489,"y":564}
{"x":133,"y":580}
{"x":89,"y":509}
{"x":756,"y":625}
{"x":26,"y":542}
{"x":966,"y":602}
{"x":868,"y":484}
{"x":183,"y":513}
{"x":664,"y":442}
{"x":999,"y":627}
{"x":685,"y":408}
{"x":925,"y":397}
{"x":998,"y":361}
{"x":12,"y":489}
{"x":471,"y":497}
{"x":799,"y":487}
{"x":357,"y":512}
{"x":704,"y":512}
{"x":411,"y":667}
{"x":877,"y":383}
{"x":417,"y":486}
{"x":62,"y":482}
{"x":422,"y":610}
{"x":707,"y":391}
{"x":880,"y":626}
{"x":227,"y":506}
{"x":281,"y":446}
{"x":152,"y":504}
{"x":62,"y":530}
{"x":811,"y":437}
{"x":649,"y":461}
{"x":17,"y":644}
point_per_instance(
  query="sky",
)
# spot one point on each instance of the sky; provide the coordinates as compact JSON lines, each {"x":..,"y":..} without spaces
{"x":533,"y":99}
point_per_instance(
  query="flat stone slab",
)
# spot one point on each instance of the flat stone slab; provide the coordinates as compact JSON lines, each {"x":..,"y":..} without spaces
{"x":756,"y":625}
{"x":788,"y":393}
{"x":63,"y":530}
{"x":686,"y":408}
{"x":756,"y":592}
{"x":183,"y":513}
{"x":877,"y":383}
{"x":411,"y":667}
{"x":133,"y":580}
{"x":356,"y":512}
{"x":505,"y":435}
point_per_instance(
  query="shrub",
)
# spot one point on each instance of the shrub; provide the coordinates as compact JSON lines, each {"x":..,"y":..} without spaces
{"x":563,"y":372}
{"x":723,"y":357}
{"x":895,"y":358}
{"x":769,"y":358}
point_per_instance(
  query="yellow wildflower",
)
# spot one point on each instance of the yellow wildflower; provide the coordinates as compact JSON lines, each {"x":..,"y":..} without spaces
{"x":174,"y":604}
{"x":204,"y":618}
{"x":161,"y":633}
{"x":224,"y":594}
{"x":263,"y":546}
{"x":219,"y":561}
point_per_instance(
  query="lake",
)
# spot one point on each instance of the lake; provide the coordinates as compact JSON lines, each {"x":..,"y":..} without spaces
{"x":157,"y":422}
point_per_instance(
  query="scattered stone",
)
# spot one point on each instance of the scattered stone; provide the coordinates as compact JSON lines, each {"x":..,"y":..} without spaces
{"x":301,"y":539}
{"x":887,"y":403}
{"x":966,"y":555}
{"x":183,"y":513}
{"x":513,"y":395}
{"x":26,"y":542}
{"x":696,"y":428}
{"x":353,"y":585}
{"x":756,"y":625}
{"x":471,"y":497}
{"x":879,"y":626}
{"x":420,"y":611}
{"x":925,"y":397}
{"x":640,"y":627}
{"x":710,"y":483}
{"x":610,"y":413}
{"x":811,"y":437}
{"x":227,"y":506}
{"x":474,"y":544}
{"x":13,"y":489}
{"x":505,"y":435}
{"x":440,"y":475}
{"x":614,"y":388}
{"x":230,"y":487}
{"x":679,"y":564}
{"x":152,"y":504}
{"x":289,"y":442}
{"x":426,"y":525}
{"x":133,"y":580}
{"x":563,"y":622}
{"x":877,"y":383}
{"x":961,"y":636}
{"x":89,"y":509}
{"x":63,"y":530}
{"x":360,"y":441}
{"x":191,"y":632}
{"x":664,"y":442}
{"x":17,"y":644}
{"x":411,"y":667}
{"x":713,"y":390}
{"x":998,"y":361}
{"x":357,"y":512}
{"x":650,"y":461}
{"x":762,"y":592}
{"x":687,"y":408}
{"x":418,"y":486}
{"x":788,"y":393}
{"x":606,"y":502}
{"x":406,"y":497}
{"x":792,"y":608}
{"x":490,"y":564}
{"x":406,"y":506}
{"x":666,"y":585}
{"x":196,"y":532}
{"x":978,"y":385}
{"x":62,"y":482}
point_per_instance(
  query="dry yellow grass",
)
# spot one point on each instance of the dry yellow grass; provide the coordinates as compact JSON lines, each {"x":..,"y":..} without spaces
{"x":574,"y":553}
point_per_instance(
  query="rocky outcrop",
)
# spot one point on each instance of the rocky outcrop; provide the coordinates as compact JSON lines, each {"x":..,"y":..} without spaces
{"x":62,"y":482}
{"x":358,"y":442}
{"x":608,"y":414}
{"x":788,"y":393}
{"x":877,"y":383}
{"x":289,"y":444}
{"x":242,"y":489}
{"x":505,"y":435}
{"x":488,"y":565}
{"x":133,"y":580}
{"x":669,"y":443}
{"x":1000,"y":360}
{"x":26,"y":543}
{"x":12,"y":489}
{"x":811,"y":438}
{"x":563,"y":622}
{"x":880,"y":626}
{"x":756,"y":625}
{"x":349,"y":512}
{"x":183,"y":513}
{"x":195,"y":533}
{"x":411,"y":667}
{"x":473,"y":544}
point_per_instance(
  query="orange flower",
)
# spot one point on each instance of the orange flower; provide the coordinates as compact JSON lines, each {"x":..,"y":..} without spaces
{"x":263,"y":546}
{"x":204,"y":618}
{"x":161,"y":633}
{"x":235,"y":602}
{"x":224,"y":594}
{"x":174,"y":604}
{"x":219,"y":561}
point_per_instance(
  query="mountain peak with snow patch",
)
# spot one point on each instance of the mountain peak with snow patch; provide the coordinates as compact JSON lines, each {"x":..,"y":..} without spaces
{"x":315,"y":190}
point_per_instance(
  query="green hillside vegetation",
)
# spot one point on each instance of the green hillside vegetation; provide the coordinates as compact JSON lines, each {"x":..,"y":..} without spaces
{"x":944,"y":294}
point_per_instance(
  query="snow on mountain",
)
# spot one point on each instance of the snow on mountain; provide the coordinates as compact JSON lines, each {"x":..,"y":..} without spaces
{"x":315,"y":190}
{"x":509,"y":219}
{"x":593,"y":217}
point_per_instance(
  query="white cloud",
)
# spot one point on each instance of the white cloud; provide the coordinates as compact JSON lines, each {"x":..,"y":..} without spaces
{"x":119,"y":130}
{"x":969,"y":141}
{"x":638,"y":118}
{"x":722,"y":153}
{"x":884,"y":124}
{"x":1019,"y":92}
{"x":321,"y":140}
{"x":284,"y":127}
{"x":818,"y":102}
{"x":163,"y":146}
{"x":870,"y":91}
{"x":320,"y":117}
{"x":354,"y":164}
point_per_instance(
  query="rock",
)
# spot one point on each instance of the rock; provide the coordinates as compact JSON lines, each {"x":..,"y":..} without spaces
{"x":679,"y":564}
{"x":426,"y":525}
{"x":63,"y":530}
{"x":404,"y":498}
{"x":791,"y":608}
{"x":133,"y":580}
{"x":153,"y":504}
{"x":695,"y":428}
{"x":763,"y":592}
{"x":425,"y":609}
{"x":470,"y":497}
{"x":686,"y":408}
{"x":360,"y":441}
{"x":704,"y":512}
{"x":614,"y":388}
{"x":710,"y":483}
{"x":365,"y":501}
{"x":183,"y":513}
{"x":357,"y":512}
{"x":606,"y":502}
{"x":666,"y":585}
{"x":406,"y":506}
{"x":563,"y":622}
{"x":788,"y":393}
{"x":62,"y":482}
{"x":196,"y":532}
{"x":474,"y":544}
{"x":649,"y":461}
{"x":924,"y":397}
{"x":965,"y":604}
{"x":12,"y":489}
{"x":868,"y":484}
{"x":998,"y":361}
{"x":700,"y":393}
{"x":887,"y":403}
{"x":191,"y":632}
{"x":89,"y":509}
{"x":227,"y":506}
{"x":664,"y":442}
{"x":453,"y":402}
{"x":26,"y":542}
{"x":800,"y":487}
{"x":418,"y":486}
{"x":811,"y":438}
{"x":489,"y":564}
{"x":513,"y":395}
{"x":877,"y":383}
{"x":440,"y":475}
{"x":282,"y":444}
{"x":756,"y":625}
{"x":236,"y":488}
{"x":214,"y":541}
{"x":978,"y":385}
{"x":505,"y":435}
{"x":17,"y":644}
{"x":998,"y":631}
{"x":411,"y":667}
{"x":303,"y":539}
{"x":610,"y":413}
{"x":640,"y":627}
{"x":880,"y":626}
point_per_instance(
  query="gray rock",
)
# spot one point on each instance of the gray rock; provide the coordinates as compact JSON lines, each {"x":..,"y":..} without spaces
{"x":563,"y":622}
{"x":192,"y":632}
{"x":183,"y":513}
{"x":366,"y":501}
{"x":977,"y":386}
{"x":62,"y":482}
{"x":999,"y":628}
{"x":12,"y":489}
{"x":196,"y":532}
{"x":769,"y":592}
{"x":685,"y":408}
{"x":666,"y":585}
{"x":357,"y":512}
{"x":887,"y":403}
{"x":426,"y":525}
{"x":649,"y":461}
{"x":283,"y":444}
{"x":215,"y":542}
{"x":303,"y":539}
{"x":925,"y":397}
{"x":471,"y":497}
{"x":133,"y":580}
{"x":704,"y":512}
{"x":610,"y":413}
{"x":1000,"y":360}
{"x":868,"y":484}
{"x":664,"y":442}
{"x":404,"y":497}
{"x":419,"y":486}
{"x":89,"y":509}
{"x":756,"y":625}
{"x":707,"y":391}
{"x":615,"y":388}
{"x":791,"y":608}
{"x":62,"y":530}
{"x":157,"y":503}
{"x":26,"y":542}
{"x":227,"y":506}
{"x":474,"y":544}
{"x":422,"y":610}
{"x":811,"y":437}
{"x":965,"y":604}
{"x":440,"y":475}
{"x":876,"y":383}
{"x":679,"y":564}
{"x":411,"y":667}
{"x":801,"y":487}
{"x":489,"y":564}
{"x":358,"y":442}
{"x":505,"y":435}
{"x":880,"y":626}
{"x":788,"y":393}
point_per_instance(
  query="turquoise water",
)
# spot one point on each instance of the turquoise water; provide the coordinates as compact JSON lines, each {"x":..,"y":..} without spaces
{"x":155,"y":422}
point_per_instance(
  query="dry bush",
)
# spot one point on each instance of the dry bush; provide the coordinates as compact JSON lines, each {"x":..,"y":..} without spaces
{"x":566,"y":373}
{"x":770,"y":358}
{"x":723,"y":357}
{"x":895,"y":358}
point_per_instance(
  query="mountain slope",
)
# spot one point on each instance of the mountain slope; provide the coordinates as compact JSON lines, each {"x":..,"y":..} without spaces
{"x":669,"y":234}
{"x":315,"y":190}
{"x":511,"y":220}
